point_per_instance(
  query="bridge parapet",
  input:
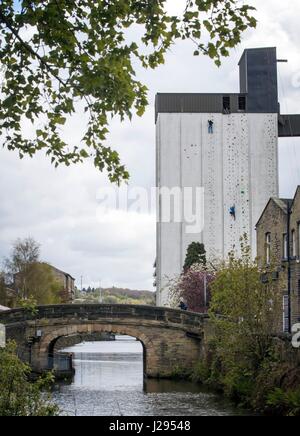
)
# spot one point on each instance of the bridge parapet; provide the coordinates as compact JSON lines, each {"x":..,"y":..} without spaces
{"x":95,"y":312}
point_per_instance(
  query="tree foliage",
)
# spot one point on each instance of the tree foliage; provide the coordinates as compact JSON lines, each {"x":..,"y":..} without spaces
{"x":196,"y":254}
{"x":24,"y":253}
{"x":3,"y":296}
{"x":194,"y":287}
{"x":19,"y":397}
{"x":42,"y":285}
{"x":32,"y":279}
{"x":246,"y":314}
{"x":57,"y":53}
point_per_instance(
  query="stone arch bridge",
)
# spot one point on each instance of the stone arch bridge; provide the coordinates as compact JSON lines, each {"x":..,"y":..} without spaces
{"x":171,"y":338}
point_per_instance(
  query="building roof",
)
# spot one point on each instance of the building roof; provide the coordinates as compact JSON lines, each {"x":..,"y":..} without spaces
{"x":62,"y":272}
{"x":282,"y":203}
{"x":258,"y":91}
{"x":295,"y":196}
{"x":194,"y":103}
{"x":54,"y":268}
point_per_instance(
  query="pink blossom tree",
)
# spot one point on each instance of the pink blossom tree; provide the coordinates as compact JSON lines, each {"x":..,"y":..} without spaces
{"x":193,"y":288}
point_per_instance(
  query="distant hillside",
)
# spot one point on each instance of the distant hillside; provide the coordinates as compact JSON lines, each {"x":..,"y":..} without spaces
{"x":128,"y":292}
{"x":119,"y":296}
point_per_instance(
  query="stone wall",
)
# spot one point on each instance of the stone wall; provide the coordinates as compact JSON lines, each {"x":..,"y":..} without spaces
{"x":274,"y":221}
{"x":295,"y":263}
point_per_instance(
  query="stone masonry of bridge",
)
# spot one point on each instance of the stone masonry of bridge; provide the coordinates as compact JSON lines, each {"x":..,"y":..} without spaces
{"x":171,"y":338}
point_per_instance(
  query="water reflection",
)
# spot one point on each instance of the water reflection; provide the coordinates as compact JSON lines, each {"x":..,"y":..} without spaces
{"x":108,"y":366}
{"x":109,"y":382}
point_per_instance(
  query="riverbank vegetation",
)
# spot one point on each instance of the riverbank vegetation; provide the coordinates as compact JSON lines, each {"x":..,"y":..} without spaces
{"x":242,"y":356}
{"x":18,"y":396}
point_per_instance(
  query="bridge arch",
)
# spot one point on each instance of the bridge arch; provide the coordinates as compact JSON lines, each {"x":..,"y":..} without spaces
{"x":170,"y":338}
{"x":47,"y":344}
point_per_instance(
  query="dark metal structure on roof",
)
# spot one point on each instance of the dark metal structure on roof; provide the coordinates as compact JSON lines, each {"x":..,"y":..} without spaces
{"x":288,"y":126}
{"x":258,"y":94}
{"x":258,"y":79}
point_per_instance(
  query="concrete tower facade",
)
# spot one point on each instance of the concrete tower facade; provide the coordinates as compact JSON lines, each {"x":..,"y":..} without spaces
{"x":227,"y":144}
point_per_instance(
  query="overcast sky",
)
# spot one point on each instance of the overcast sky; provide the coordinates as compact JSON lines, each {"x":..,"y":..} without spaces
{"x":58,"y":207}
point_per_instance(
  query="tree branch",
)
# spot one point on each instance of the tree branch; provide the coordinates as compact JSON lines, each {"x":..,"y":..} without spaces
{"x":30,"y":49}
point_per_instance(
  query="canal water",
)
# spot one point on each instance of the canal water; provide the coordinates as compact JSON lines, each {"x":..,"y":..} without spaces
{"x":109,"y":382}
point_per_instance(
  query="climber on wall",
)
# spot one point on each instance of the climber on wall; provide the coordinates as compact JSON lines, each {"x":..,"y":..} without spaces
{"x":232,"y":212}
{"x":210,"y":126}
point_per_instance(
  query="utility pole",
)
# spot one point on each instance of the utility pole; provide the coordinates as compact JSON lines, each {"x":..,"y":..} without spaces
{"x":81,"y":277}
{"x":289,"y":212}
{"x":100,"y":298}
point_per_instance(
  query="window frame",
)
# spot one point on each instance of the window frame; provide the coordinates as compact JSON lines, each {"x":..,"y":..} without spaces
{"x":285,"y":253}
{"x":293,"y":243}
{"x":227,"y":99}
{"x":242,"y":103}
{"x":285,"y":313}
{"x":298,"y":237}
{"x":268,"y":241}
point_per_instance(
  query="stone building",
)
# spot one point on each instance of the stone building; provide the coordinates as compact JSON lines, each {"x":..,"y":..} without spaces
{"x":68,"y":284}
{"x":10,"y":297}
{"x":278,"y":250}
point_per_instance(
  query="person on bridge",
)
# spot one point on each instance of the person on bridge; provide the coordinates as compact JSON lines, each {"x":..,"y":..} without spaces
{"x":183,"y":306}
{"x":210,"y":126}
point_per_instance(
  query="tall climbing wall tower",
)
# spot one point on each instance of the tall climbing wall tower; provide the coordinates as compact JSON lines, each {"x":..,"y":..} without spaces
{"x":227,"y":144}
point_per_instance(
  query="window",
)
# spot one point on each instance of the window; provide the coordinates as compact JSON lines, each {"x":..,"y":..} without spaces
{"x":286,"y":313}
{"x":285,"y":246}
{"x":242,"y":103}
{"x":294,"y":250}
{"x":226,"y":104}
{"x":298,"y":239}
{"x":268,"y":248}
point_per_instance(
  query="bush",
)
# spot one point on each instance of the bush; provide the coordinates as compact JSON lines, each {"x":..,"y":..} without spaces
{"x":285,"y":403}
{"x":19,"y":397}
{"x":180,"y":373}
